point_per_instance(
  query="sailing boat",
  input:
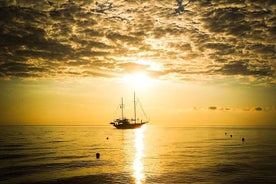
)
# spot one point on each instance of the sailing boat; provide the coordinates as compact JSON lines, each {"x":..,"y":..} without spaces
{"x":125,"y":123}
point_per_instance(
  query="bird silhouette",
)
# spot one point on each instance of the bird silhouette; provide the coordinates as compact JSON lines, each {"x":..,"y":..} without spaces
{"x":181,"y":6}
{"x":102,"y":7}
{"x":50,"y":3}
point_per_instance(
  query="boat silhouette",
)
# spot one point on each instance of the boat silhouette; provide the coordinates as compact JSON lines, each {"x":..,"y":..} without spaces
{"x":126,"y":123}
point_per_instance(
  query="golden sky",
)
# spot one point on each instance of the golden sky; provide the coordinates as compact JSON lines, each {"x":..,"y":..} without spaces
{"x":190,"y":63}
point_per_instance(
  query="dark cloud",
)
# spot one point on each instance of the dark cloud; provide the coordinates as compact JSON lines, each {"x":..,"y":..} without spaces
{"x":98,"y":38}
{"x":244,"y":68}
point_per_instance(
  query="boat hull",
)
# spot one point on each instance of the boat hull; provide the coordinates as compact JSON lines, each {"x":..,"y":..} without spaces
{"x":128,"y":126}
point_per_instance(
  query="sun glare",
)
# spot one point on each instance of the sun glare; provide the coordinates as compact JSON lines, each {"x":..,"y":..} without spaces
{"x":137,"y":80}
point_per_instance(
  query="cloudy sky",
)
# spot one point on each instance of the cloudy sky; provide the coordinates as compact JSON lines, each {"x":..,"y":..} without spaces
{"x":62,"y":60}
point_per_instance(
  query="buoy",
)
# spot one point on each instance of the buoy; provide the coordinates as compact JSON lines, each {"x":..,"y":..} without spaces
{"x":243,"y":139}
{"x":225,"y":133}
{"x":97,"y":155}
{"x":230,"y":135}
{"x":107,"y":138}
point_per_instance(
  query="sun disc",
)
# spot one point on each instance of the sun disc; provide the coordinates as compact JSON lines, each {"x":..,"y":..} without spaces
{"x":137,"y":80}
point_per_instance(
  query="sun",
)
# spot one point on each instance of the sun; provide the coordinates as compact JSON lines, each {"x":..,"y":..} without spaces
{"x":138,"y":81}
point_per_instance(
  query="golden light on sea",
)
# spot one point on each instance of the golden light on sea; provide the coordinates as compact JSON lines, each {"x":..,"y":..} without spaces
{"x":138,"y":166}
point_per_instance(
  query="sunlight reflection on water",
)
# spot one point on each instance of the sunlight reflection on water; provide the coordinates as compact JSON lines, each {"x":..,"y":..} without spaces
{"x":138,"y":166}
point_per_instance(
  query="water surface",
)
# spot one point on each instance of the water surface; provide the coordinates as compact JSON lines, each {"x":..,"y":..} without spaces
{"x":66,"y":154}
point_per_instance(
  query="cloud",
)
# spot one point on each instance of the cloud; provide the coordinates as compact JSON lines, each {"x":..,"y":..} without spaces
{"x":244,"y":68}
{"x":213,"y":108}
{"x":236,"y":109}
{"x":207,"y":38}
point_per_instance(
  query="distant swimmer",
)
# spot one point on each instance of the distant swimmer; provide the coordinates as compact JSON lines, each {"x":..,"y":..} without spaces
{"x":231,"y":136}
{"x":243,"y":139}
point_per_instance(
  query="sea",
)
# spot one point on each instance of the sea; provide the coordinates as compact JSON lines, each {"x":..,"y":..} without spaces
{"x":151,"y":154}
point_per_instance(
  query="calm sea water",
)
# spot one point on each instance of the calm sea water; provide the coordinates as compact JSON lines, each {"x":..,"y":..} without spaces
{"x":66,"y":154}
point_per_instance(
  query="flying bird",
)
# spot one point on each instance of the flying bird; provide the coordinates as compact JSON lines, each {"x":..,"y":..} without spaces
{"x":50,"y":3}
{"x":181,"y":6}
{"x":102,"y":7}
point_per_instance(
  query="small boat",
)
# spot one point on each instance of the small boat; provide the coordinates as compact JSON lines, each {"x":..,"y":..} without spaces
{"x":125,"y":123}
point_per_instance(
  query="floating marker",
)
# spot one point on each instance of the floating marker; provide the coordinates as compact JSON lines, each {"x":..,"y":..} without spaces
{"x":230,"y":135}
{"x":243,"y":139}
{"x":225,"y":133}
{"x":107,"y":138}
{"x":97,"y":155}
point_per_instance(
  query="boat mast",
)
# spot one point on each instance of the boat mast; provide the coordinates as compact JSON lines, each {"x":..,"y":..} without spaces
{"x":122,"y":107}
{"x":134,"y":109}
